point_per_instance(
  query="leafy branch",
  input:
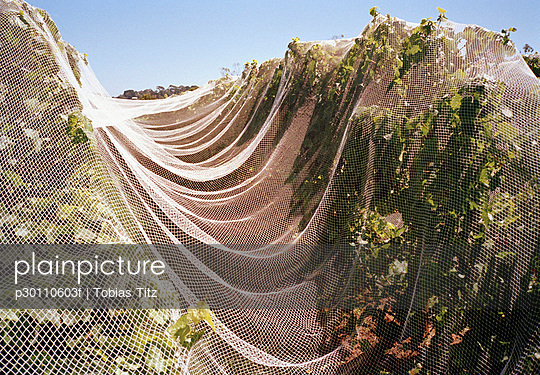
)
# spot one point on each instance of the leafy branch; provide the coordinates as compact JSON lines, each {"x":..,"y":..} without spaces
{"x":506,"y":34}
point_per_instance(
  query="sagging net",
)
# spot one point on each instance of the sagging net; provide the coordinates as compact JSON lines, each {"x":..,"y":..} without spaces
{"x":383,"y":189}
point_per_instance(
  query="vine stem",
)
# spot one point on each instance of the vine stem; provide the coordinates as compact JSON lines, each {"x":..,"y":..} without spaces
{"x":415,"y":286}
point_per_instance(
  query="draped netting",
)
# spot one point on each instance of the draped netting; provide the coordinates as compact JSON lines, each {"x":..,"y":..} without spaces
{"x":365,"y":205}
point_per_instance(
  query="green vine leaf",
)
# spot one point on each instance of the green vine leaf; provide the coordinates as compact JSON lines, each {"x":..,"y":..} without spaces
{"x":185,"y":329}
{"x":14,"y":178}
{"x":455,"y":102}
{"x":21,"y":17}
{"x":77,"y":127}
{"x":202,"y":312}
{"x":506,"y":34}
{"x":442,"y":14}
{"x":180,"y":329}
{"x":507,"y":131}
{"x":504,"y":254}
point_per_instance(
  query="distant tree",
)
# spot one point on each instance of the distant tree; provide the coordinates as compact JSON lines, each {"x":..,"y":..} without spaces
{"x":160,"y":93}
{"x":128,"y":94}
{"x":236,"y":70}
{"x":533,"y":61}
{"x":225,"y":72}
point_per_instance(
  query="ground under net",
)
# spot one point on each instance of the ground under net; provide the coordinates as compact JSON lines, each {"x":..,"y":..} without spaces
{"x":363,"y":206}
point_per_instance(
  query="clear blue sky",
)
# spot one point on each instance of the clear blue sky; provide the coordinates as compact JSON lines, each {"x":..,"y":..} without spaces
{"x":140,"y":44}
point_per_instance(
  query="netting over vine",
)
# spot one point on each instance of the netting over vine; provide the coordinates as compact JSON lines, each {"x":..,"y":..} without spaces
{"x":365,"y":205}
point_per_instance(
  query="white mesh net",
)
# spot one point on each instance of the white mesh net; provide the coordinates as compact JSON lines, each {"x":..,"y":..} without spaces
{"x":410,"y":153}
